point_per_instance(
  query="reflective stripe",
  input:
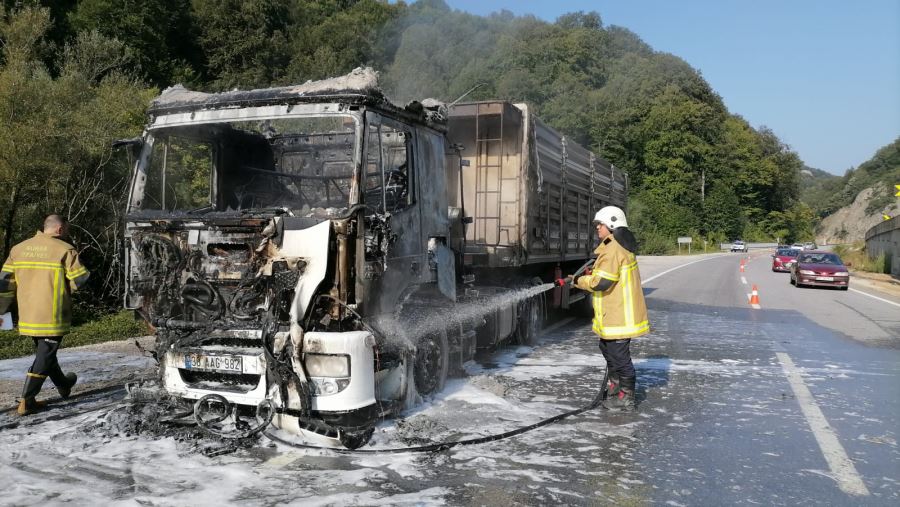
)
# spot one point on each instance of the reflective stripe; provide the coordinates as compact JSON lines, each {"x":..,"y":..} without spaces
{"x":44,"y":332}
{"x":9,"y":269}
{"x":7,"y":294}
{"x":19,"y":264}
{"x":35,"y":375}
{"x":38,"y":326}
{"x":623,"y":331}
{"x":629,"y":297}
{"x":598,"y":309}
{"x":608,"y":276}
{"x":75,"y":274}
{"x":41,"y":268}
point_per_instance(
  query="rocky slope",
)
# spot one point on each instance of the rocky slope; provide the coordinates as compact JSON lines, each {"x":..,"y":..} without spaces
{"x":850,"y":223}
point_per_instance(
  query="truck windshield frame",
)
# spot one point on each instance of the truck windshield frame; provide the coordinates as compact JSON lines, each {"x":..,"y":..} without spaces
{"x":250,"y":159}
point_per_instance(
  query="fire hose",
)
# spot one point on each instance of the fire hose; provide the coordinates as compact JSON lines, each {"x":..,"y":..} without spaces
{"x":443,"y":446}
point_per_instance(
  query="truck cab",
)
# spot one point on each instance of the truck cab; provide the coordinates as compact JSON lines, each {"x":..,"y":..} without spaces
{"x":271,"y":237}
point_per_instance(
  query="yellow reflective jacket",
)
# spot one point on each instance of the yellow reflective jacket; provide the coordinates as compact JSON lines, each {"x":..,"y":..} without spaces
{"x":41,"y":273}
{"x":619,"y":312}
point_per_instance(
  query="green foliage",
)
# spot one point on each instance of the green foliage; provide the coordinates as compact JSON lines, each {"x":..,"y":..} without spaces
{"x":118,"y":326}
{"x":55,"y":140}
{"x":859,"y":259}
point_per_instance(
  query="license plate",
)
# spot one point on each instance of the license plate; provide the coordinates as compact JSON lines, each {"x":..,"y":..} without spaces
{"x":825,"y":278}
{"x":233,"y":364}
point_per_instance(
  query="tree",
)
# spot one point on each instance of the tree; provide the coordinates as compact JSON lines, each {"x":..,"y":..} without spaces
{"x":55,"y":142}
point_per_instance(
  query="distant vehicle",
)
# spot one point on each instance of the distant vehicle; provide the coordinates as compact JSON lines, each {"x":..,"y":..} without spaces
{"x":738,"y":246}
{"x":797,"y":246}
{"x":783,"y":258}
{"x":820,"y":268}
{"x":810,"y":246}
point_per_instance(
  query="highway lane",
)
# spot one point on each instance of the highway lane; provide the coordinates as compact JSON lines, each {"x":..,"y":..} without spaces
{"x":764,"y":445}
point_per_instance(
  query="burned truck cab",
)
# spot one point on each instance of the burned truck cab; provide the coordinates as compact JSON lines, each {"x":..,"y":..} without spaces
{"x":271,"y":237}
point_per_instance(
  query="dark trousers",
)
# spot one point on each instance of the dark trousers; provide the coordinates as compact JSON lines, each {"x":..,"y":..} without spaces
{"x":44,"y":365}
{"x":618,"y":359}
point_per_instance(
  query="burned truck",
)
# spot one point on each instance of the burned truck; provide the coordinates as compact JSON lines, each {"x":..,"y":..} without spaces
{"x":319,"y":258}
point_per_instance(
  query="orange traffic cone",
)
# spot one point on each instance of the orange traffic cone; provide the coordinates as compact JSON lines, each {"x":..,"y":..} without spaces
{"x":754,"y":296}
{"x":742,"y":265}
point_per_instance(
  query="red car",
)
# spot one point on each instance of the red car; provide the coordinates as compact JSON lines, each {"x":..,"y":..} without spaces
{"x":783,"y":258}
{"x":820,"y":268}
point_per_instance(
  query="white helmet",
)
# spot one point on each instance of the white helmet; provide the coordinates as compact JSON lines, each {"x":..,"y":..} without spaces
{"x":612,"y":217}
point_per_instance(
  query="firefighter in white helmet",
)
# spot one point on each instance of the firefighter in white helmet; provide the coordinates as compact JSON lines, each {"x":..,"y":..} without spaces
{"x":620,"y":312}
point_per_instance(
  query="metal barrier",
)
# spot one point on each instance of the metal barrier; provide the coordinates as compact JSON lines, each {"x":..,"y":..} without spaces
{"x":750,"y":246}
{"x":884,"y":238}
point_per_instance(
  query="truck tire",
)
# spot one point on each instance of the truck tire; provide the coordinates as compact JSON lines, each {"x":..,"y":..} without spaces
{"x":432,"y":363}
{"x":529,"y":323}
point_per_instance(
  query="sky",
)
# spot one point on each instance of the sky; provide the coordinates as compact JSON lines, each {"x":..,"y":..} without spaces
{"x":824,"y":75}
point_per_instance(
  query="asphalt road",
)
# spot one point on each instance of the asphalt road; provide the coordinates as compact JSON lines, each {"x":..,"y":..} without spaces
{"x":793,"y":403}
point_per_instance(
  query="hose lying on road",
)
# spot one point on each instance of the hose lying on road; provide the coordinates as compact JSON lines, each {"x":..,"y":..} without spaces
{"x":443,"y":446}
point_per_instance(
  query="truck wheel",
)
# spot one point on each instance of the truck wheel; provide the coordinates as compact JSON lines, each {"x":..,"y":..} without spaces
{"x":432,"y":363}
{"x":529,"y":323}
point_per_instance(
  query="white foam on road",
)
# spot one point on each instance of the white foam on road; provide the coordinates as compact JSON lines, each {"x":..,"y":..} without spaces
{"x":842,"y":469}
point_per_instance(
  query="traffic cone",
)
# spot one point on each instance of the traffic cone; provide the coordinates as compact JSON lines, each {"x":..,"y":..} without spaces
{"x":742,"y":265}
{"x":754,"y":296}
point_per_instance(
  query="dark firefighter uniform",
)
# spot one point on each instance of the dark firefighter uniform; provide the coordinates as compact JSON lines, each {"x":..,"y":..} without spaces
{"x":620,"y":312}
{"x":41,"y":273}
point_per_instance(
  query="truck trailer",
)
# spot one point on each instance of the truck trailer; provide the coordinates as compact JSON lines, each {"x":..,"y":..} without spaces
{"x":318,"y":258}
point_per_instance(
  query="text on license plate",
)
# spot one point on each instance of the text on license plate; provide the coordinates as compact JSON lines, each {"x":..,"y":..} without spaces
{"x":825,"y":278}
{"x":217,"y":363}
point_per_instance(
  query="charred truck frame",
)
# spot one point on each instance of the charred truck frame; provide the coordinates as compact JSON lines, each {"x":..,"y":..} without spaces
{"x":325,"y":255}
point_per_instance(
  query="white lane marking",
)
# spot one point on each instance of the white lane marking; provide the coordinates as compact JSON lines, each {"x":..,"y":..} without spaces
{"x":842,"y":469}
{"x":743,"y":280}
{"x":654,"y":277}
{"x":875,"y":297}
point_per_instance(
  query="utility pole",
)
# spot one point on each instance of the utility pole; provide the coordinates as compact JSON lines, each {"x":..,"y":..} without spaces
{"x":702,"y":185}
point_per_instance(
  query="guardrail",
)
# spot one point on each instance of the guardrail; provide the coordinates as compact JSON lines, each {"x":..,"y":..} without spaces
{"x":750,"y":246}
{"x":884,"y":238}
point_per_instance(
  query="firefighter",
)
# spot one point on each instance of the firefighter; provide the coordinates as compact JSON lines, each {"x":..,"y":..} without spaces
{"x":620,"y":312}
{"x":41,"y":273}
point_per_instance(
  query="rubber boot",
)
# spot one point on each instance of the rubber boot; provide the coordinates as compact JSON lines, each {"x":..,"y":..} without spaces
{"x":612,"y":387}
{"x":66,"y":390}
{"x":623,"y":399}
{"x":27,"y":404}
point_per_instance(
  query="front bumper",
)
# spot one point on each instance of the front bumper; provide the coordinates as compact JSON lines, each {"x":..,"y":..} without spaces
{"x":837,"y":282}
{"x":352,"y":405}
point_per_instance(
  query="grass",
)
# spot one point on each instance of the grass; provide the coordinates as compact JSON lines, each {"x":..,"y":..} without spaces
{"x":112,"y":327}
{"x":859,"y":259}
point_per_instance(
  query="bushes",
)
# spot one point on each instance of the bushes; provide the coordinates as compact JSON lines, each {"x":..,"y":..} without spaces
{"x":117,"y":326}
{"x":860,"y":260}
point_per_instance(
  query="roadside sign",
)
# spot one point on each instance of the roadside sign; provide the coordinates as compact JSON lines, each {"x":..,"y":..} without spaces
{"x":898,"y":190}
{"x":684,"y":240}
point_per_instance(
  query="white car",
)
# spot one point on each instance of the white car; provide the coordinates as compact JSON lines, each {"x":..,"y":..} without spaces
{"x":738,"y":246}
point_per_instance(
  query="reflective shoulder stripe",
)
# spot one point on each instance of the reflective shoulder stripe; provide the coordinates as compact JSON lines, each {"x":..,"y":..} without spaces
{"x":75,"y":274}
